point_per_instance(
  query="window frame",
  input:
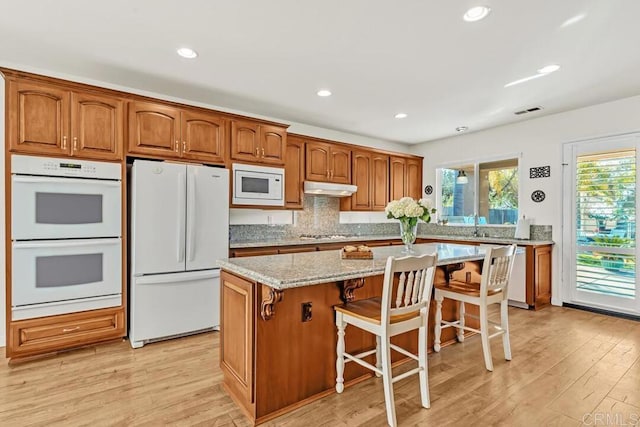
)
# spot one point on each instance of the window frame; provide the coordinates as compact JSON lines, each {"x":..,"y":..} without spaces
{"x":459,"y":164}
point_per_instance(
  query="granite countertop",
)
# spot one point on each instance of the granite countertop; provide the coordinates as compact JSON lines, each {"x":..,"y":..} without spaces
{"x":298,"y":241}
{"x":310,"y":268}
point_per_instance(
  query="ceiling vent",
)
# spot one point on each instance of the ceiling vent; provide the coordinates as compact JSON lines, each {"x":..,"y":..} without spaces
{"x":528,"y":110}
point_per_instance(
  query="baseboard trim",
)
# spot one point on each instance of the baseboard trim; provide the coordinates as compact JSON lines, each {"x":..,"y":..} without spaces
{"x":602,"y":311}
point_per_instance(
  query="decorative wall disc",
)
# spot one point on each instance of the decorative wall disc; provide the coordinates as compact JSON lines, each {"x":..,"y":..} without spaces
{"x":428,"y":190}
{"x":540,"y":172}
{"x":538,"y":196}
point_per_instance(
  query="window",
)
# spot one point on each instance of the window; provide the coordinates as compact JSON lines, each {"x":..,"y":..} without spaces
{"x":489,"y":189}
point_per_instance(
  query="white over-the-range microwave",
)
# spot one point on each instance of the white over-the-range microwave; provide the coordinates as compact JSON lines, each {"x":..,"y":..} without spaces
{"x":257,"y":185}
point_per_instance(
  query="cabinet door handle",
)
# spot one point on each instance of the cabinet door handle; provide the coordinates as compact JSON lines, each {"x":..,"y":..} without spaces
{"x":257,"y":151}
{"x":331,"y":174}
{"x":327,"y":173}
{"x":75,"y":143}
{"x":64,"y":142}
{"x":70,"y":329}
{"x":262,"y":152}
{"x":184,"y":146}
{"x":177,"y":145}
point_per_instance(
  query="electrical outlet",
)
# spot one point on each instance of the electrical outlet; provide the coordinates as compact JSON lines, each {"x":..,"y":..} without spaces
{"x":306,"y":311}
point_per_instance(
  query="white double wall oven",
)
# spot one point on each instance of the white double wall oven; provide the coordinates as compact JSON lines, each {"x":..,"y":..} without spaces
{"x":66,"y":236}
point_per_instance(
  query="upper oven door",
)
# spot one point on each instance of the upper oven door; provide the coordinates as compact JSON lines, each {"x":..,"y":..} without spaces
{"x":64,"y":208}
{"x":258,"y":188}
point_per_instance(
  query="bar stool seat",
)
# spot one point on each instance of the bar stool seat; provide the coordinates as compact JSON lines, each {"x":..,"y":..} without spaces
{"x":370,"y":310}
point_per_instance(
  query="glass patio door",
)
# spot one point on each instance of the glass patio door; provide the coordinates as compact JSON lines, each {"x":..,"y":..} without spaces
{"x":600,"y":224}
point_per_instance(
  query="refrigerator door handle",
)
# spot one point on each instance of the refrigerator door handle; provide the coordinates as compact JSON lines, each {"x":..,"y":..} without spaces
{"x":182,"y":188}
{"x":191,"y":221}
{"x":172,"y":278}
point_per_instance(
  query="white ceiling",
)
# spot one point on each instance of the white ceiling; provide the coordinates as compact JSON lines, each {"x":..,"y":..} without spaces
{"x":378,"y":57}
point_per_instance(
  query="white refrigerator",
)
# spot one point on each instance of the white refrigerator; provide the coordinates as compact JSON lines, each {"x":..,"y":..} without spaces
{"x":179,"y":228}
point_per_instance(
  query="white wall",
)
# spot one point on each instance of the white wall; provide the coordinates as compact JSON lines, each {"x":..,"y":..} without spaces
{"x":2,"y":229}
{"x":540,"y":141}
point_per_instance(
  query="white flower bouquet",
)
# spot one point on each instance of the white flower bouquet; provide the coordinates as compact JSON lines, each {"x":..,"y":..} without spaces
{"x":408,"y":211}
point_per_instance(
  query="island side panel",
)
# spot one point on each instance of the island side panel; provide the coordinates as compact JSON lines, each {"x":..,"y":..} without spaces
{"x":237,"y":341}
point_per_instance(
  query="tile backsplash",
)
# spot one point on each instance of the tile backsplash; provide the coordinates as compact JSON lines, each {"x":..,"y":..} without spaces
{"x":321,"y":215}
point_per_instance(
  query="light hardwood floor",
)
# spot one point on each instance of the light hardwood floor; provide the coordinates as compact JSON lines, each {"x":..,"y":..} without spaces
{"x":568,"y":367}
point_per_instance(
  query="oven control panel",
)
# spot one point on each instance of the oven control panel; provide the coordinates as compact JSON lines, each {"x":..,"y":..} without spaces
{"x":50,"y":166}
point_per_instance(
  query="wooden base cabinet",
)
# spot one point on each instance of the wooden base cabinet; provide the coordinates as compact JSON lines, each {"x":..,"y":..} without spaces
{"x":48,"y":119}
{"x":538,"y":276}
{"x":44,"y":335}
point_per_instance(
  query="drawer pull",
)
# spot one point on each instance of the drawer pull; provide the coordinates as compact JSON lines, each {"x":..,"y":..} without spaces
{"x":65,"y":330}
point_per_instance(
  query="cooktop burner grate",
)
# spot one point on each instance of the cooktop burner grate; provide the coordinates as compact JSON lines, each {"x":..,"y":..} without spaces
{"x":324,"y":236}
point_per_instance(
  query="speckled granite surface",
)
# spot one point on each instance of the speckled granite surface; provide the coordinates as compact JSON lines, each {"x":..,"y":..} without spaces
{"x":292,"y":241}
{"x":310,"y":268}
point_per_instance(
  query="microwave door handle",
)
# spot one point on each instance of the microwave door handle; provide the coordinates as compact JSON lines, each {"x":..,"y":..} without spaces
{"x":182,"y":204}
{"x":191,"y":221}
{"x":49,"y":180}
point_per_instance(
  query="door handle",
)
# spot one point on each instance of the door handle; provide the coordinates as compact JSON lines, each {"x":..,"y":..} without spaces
{"x":191,"y":220}
{"x":263,"y":152}
{"x":75,"y":143}
{"x":177,"y":145}
{"x":257,"y":151}
{"x":181,"y":205}
{"x":184,"y":146}
{"x":64,"y":142}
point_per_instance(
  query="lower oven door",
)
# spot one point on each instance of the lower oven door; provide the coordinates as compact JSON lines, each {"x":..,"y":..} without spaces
{"x":62,"y":270}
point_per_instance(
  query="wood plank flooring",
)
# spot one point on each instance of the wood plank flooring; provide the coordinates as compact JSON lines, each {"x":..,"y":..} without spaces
{"x":569,"y":368}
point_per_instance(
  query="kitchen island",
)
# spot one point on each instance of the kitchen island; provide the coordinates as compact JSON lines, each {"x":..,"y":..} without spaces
{"x":278,"y":343}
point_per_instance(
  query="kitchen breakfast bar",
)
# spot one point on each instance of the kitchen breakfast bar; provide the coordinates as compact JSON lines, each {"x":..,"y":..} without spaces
{"x":278,"y":343}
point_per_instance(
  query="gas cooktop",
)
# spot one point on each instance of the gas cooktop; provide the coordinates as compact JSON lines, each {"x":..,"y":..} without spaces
{"x":324,"y":236}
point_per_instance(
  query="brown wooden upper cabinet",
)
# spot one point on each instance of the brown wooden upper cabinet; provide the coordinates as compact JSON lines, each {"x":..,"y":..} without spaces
{"x":294,"y":173}
{"x":161,"y":130}
{"x":258,"y":143}
{"x":49,"y":119}
{"x":370,"y":172}
{"x":406,"y":177}
{"x":327,"y":162}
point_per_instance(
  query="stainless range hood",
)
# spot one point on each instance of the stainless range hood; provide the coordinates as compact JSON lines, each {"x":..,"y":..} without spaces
{"x":329,"y":189}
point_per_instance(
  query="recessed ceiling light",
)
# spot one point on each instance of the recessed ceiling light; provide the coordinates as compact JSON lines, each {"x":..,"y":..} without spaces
{"x":476,"y":13}
{"x":462,"y":129}
{"x":526,"y":79}
{"x":573,"y":20}
{"x":188,"y":53}
{"x":324,"y":92}
{"x":549,"y":69}
{"x":544,"y":71}
{"x":401,"y":115}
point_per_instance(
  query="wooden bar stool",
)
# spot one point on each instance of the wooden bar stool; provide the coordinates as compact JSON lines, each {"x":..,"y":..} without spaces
{"x":386,"y":318}
{"x":492,"y":289}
